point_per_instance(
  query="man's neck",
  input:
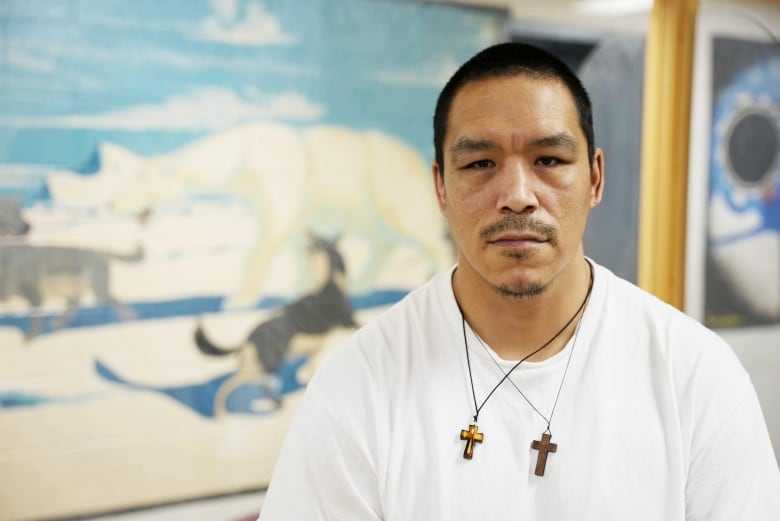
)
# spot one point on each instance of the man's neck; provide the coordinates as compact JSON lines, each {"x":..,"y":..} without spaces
{"x":515,"y":327}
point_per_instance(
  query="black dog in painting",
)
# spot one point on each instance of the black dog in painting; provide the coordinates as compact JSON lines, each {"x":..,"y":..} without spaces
{"x":39,"y":273}
{"x":296,"y":328}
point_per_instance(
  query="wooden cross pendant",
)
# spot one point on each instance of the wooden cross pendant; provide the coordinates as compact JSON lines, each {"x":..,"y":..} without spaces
{"x":472,"y":436}
{"x":544,"y":446}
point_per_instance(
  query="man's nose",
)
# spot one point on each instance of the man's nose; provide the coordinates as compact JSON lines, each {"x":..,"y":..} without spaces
{"x":517,"y":189}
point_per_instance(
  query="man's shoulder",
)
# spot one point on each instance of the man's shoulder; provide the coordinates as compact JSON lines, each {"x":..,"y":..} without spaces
{"x":680,"y":338}
{"x":628,"y":298}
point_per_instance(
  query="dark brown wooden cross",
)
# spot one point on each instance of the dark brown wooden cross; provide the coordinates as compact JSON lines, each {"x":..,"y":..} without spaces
{"x":472,"y":436}
{"x":544,"y":446}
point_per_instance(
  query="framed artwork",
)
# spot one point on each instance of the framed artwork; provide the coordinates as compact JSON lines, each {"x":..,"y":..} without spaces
{"x":733,"y":258}
{"x":743,"y":229}
{"x":198,"y":200}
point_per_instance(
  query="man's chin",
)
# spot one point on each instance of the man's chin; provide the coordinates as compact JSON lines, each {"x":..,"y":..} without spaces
{"x":520,"y":291}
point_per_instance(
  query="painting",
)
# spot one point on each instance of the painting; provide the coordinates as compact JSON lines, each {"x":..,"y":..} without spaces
{"x":743,"y":216}
{"x":198,"y":202}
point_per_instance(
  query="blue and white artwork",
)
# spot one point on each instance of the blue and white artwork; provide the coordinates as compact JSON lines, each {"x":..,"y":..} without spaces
{"x":198,"y":201}
{"x":743,"y":254}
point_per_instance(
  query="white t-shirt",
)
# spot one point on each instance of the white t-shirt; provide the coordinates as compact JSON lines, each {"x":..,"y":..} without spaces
{"x":656,"y":420}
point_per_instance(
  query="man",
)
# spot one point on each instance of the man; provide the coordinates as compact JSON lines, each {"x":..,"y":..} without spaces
{"x":527,"y":382}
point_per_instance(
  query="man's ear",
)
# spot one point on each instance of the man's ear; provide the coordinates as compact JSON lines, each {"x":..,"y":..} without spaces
{"x":597,"y":178}
{"x":438,"y":183}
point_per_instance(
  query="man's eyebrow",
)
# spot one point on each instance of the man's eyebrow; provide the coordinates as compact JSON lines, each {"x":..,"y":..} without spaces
{"x":559,"y":140}
{"x":466,"y":144}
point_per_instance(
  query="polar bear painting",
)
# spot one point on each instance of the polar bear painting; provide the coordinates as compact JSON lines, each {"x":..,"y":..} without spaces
{"x":368,"y":187}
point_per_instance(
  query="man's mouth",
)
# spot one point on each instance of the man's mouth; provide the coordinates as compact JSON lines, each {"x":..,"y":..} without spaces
{"x":518,"y":237}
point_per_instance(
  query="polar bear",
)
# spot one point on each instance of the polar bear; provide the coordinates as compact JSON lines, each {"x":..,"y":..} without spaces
{"x":367,"y":186}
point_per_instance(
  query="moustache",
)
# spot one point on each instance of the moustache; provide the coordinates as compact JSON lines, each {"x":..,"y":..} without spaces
{"x":520,"y":223}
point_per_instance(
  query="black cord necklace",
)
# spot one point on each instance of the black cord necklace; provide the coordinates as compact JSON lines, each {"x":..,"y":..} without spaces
{"x":472,"y":435}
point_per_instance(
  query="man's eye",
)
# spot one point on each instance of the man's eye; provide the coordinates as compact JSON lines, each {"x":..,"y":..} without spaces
{"x":481,"y":164}
{"x":547,"y":161}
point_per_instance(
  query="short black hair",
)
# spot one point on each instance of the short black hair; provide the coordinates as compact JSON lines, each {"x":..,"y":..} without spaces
{"x":506,"y":60}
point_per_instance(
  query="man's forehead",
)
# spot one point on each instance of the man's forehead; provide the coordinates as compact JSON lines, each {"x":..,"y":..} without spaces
{"x":523,"y":88}
{"x":472,"y":124}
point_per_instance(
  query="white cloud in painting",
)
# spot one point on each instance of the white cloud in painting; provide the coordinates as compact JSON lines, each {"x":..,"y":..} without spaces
{"x":40,"y":65}
{"x":420,"y":76}
{"x":22,"y":59}
{"x":208,"y":108}
{"x":253,"y":27}
{"x":43,"y":57}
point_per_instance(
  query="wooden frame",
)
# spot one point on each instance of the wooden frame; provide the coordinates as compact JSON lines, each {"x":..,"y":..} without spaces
{"x":665,"y":134}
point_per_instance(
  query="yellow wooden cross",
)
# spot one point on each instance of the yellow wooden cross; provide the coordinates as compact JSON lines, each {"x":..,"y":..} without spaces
{"x":472,"y":436}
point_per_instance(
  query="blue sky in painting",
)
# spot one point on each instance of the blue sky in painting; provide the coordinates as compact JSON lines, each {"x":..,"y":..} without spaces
{"x":155,"y":75}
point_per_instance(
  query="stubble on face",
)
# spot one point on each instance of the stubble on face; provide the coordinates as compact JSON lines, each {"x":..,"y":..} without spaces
{"x":520,"y":223}
{"x":520,"y":292}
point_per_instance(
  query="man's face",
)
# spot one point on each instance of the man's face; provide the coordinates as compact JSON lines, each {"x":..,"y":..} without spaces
{"x":516,"y":185}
